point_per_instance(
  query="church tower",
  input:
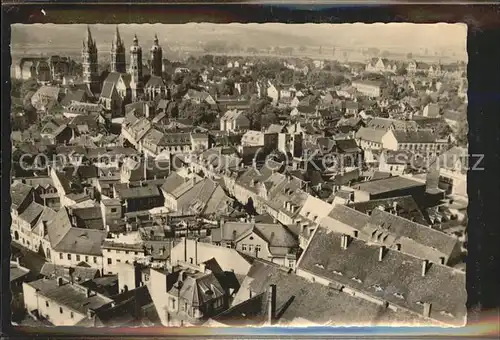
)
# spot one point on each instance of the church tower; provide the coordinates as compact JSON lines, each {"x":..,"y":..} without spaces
{"x":135,"y":69}
{"x":89,"y":63}
{"x":118,"y":54}
{"x":156,"y":58}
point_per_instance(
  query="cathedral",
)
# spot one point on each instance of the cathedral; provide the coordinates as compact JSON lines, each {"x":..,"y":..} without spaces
{"x":123,"y":86}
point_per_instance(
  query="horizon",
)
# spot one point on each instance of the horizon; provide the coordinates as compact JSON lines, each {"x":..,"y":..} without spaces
{"x":443,"y":40}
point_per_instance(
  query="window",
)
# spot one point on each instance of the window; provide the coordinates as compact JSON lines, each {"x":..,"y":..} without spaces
{"x":71,"y":315}
{"x":172,"y":303}
{"x":60,"y":310}
{"x":244,"y":247}
{"x":136,"y":253}
{"x":110,"y":261}
{"x":250,"y":247}
{"x":78,"y":257}
{"x":95,"y":259}
{"x":46,"y":303}
{"x":113,"y":210}
{"x":126,"y":252}
{"x":228,"y":245}
{"x":108,"y":250}
{"x":61,"y":256}
{"x":191,"y":260}
{"x":118,"y":260}
{"x":86,"y":259}
{"x":257,"y":247}
{"x":69,"y":256}
{"x":291,"y":264}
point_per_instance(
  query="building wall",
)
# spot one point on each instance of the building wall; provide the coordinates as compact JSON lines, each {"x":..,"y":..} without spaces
{"x":72,"y":259}
{"x":49,"y":308}
{"x":113,"y":259}
{"x":228,"y":259}
{"x":389,"y":142}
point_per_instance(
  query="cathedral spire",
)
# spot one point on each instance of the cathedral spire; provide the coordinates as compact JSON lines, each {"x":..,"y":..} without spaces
{"x":118,"y":40}
{"x":156,"y":39}
{"x":90,"y":42}
{"x":136,"y":41}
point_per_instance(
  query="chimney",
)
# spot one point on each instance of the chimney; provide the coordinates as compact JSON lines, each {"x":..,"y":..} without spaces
{"x":381,"y":253}
{"x":195,"y":251}
{"x":442,"y":260}
{"x":355,"y":232}
{"x":185,"y":249}
{"x":271,"y":314}
{"x":425,"y":264}
{"x":249,"y":294}
{"x":60,"y":281}
{"x":398,"y":246}
{"x":427,"y":309}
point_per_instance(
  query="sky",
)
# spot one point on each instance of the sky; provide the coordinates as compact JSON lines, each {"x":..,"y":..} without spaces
{"x":394,"y":37}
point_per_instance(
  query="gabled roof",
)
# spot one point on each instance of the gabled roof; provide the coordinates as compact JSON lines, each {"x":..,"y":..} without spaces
{"x":369,"y":134}
{"x":410,"y":136}
{"x":387,"y":123}
{"x":155,"y":81}
{"x":405,"y":206}
{"x":298,"y":298}
{"x":69,"y":295}
{"x":64,"y":237}
{"x":396,"y":279}
{"x":19,"y":192}
{"x":387,"y":184}
{"x":435,"y":243}
{"x":276,"y":235}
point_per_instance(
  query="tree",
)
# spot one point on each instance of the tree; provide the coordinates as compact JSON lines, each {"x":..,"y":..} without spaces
{"x":288,"y":50}
{"x":252,"y":50}
{"x":373,"y":51}
{"x":462,"y":132}
{"x":409,"y":55}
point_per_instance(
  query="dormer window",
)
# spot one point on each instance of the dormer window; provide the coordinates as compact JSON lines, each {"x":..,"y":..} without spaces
{"x":377,"y":288}
{"x":337,"y":273}
{"x":319,"y":265}
{"x":443,"y":312}
{"x":399,"y":295}
{"x":356,"y":279}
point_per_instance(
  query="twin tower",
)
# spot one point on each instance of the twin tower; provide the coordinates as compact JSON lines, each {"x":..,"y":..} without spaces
{"x":118,"y":63}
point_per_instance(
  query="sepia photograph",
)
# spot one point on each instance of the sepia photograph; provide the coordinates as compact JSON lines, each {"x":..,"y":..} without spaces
{"x":222,"y":175}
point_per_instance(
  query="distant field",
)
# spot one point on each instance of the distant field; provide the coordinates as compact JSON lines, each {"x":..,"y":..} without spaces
{"x":341,"y":54}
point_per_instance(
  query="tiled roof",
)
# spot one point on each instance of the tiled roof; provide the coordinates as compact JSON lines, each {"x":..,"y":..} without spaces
{"x":370,"y":134}
{"x":275,"y":234}
{"x":155,"y":81}
{"x":387,"y":184}
{"x":386,"y":123}
{"x":420,"y":136}
{"x":298,"y":298}
{"x":397,"y":278}
{"x":31,"y":213}
{"x":18,"y":193}
{"x":69,"y":295}
{"x":405,"y":206}
{"x":134,"y":191}
{"x":78,"y":273}
{"x":349,"y":216}
{"x":436,"y":242}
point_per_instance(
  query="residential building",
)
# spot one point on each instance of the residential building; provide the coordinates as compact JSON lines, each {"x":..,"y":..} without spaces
{"x":60,"y":302}
{"x":333,"y":259}
{"x":272,"y":242}
{"x":368,"y":88}
{"x":234,"y":120}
